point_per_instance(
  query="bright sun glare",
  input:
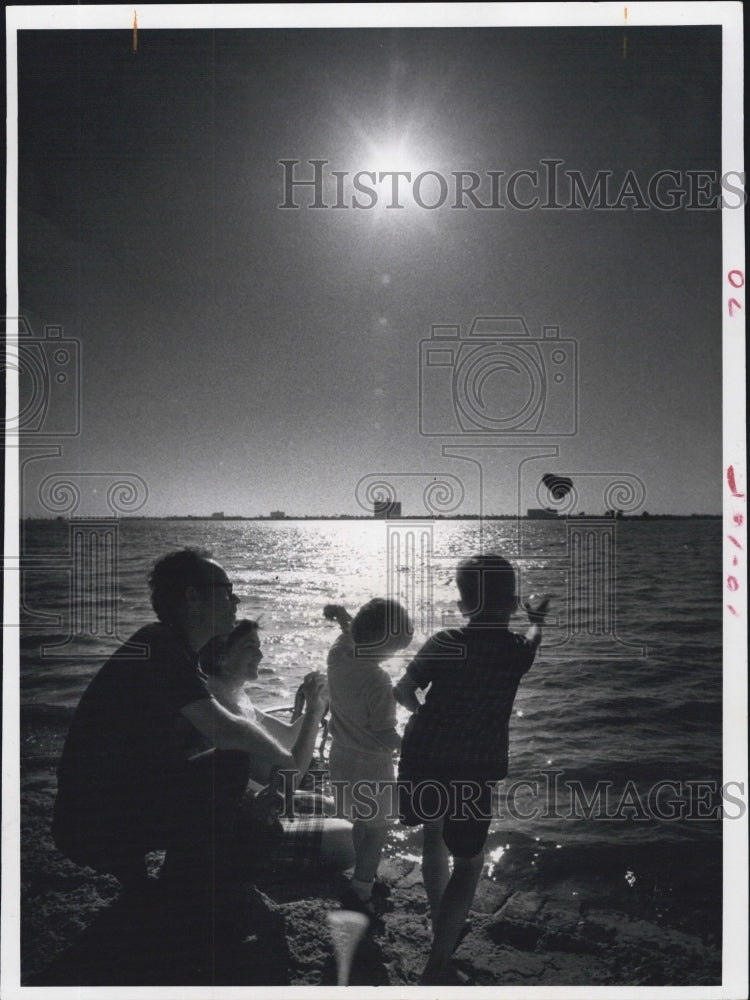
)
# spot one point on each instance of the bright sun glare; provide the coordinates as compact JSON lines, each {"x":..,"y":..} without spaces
{"x":393,"y":155}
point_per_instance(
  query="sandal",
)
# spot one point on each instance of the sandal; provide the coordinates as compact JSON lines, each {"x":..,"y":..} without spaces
{"x":351,"y":901}
{"x":380,"y":889}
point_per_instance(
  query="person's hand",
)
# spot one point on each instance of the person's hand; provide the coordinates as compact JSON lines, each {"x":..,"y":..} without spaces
{"x":338,"y":613}
{"x":299,"y":704}
{"x":266,"y":807}
{"x":536,"y":608}
{"x":315,"y":691}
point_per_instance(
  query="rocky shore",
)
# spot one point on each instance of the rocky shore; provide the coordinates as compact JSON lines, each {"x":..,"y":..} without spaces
{"x":527,"y":930}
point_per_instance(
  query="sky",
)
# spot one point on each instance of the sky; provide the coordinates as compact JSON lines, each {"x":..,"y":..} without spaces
{"x":241,"y":357}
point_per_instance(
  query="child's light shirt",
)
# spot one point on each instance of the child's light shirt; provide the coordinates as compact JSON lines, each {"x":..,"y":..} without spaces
{"x":363,"y":709}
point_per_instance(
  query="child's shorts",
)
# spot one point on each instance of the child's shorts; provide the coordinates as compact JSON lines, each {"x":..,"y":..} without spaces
{"x":363,"y":785}
{"x":463,"y":803}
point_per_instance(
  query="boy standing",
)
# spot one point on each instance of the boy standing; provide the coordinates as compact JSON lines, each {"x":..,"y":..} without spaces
{"x":455,"y":747}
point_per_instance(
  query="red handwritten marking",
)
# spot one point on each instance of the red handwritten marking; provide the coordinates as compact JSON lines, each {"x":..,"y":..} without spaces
{"x":732,"y":485}
{"x":135,"y":31}
{"x":736,"y":304}
{"x":733,"y":583}
{"x":738,"y":284}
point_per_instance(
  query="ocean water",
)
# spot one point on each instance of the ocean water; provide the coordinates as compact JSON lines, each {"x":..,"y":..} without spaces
{"x":625,"y":694}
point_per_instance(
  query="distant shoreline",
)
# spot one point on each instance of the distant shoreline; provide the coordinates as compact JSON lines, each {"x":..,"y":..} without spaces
{"x":403,"y":517}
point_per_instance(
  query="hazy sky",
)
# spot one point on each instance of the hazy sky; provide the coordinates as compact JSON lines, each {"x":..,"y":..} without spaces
{"x":242,"y":357}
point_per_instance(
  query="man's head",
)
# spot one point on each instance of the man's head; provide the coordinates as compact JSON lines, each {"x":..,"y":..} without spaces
{"x":190,"y":591}
{"x":487,"y":585}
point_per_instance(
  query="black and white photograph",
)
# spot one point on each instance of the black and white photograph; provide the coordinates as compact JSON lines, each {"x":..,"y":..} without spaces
{"x":376,"y":373}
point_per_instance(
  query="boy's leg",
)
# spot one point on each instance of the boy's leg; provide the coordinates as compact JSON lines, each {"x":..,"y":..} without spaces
{"x":464,"y":832}
{"x":454,"y":909}
{"x":435,"y":871}
{"x":369,"y":841}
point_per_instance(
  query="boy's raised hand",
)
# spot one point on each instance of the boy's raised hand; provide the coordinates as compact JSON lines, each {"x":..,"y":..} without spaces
{"x":338,"y":613}
{"x":536,"y":608}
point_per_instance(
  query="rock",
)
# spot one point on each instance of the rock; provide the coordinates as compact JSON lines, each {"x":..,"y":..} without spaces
{"x":522,"y":906}
{"x":392,"y":870}
{"x":490,"y":896}
{"x":515,"y":922}
{"x":515,"y":964}
{"x":559,"y":919}
{"x":581,"y":970}
{"x":410,"y":878}
{"x":561,"y":930}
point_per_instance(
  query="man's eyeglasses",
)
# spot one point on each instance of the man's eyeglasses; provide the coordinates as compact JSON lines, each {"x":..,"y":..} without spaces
{"x":218,"y":586}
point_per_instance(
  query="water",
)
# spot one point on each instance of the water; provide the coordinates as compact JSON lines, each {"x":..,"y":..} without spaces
{"x":636,"y":704}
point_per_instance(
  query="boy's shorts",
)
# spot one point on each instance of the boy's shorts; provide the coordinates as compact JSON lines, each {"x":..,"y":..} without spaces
{"x":463,"y":803}
{"x":363,"y":785}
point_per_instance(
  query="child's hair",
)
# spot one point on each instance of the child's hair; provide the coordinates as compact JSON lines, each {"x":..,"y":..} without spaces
{"x":213,"y":653}
{"x":486,"y":583}
{"x":380,"y":623}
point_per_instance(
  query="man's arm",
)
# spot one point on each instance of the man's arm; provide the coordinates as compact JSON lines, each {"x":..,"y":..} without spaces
{"x":226,"y":731}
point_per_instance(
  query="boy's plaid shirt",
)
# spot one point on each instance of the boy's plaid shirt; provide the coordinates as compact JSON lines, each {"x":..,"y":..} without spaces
{"x":474,"y":674}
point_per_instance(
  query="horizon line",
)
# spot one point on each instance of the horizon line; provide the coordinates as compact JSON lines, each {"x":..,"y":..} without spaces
{"x":643,"y":516}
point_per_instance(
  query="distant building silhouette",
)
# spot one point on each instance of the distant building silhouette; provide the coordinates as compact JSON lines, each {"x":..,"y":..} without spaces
{"x":218,"y":515}
{"x":386,"y":509}
{"x":277,"y":515}
{"x":541,"y":513}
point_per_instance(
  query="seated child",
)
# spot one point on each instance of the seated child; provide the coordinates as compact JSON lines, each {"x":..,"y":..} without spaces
{"x":363,"y":730}
{"x":455,"y":745}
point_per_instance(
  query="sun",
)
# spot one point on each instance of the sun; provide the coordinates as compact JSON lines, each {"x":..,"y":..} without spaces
{"x":393,"y":155}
